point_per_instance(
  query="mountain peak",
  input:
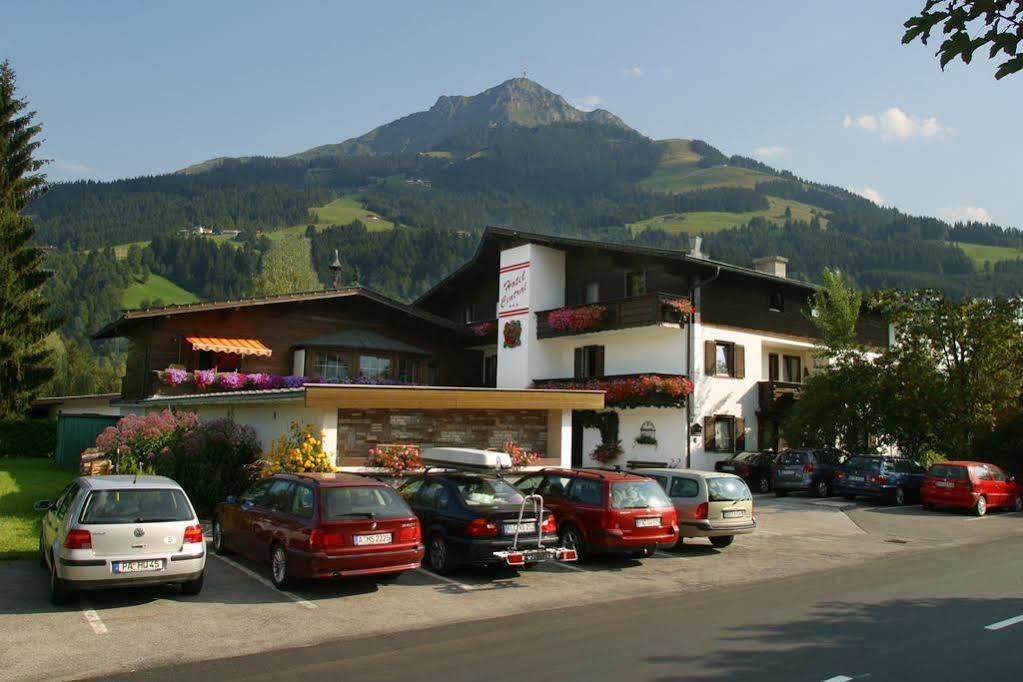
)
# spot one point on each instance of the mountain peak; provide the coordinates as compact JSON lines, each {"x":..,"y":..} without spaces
{"x":517,"y":101}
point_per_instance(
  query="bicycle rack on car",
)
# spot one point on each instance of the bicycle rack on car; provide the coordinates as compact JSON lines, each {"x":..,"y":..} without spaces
{"x":514,"y":556}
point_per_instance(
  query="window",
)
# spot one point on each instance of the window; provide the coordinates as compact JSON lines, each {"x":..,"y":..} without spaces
{"x":490,"y":370}
{"x":727,"y":489}
{"x":408,"y":369}
{"x":256,"y":493}
{"x":377,"y":502}
{"x":589,"y":362}
{"x":661,"y":481}
{"x":331,"y":366}
{"x":793,"y":368}
{"x":554,"y":487}
{"x":684,"y":487}
{"x":374,"y":366}
{"x":724,"y":434}
{"x":278,"y":498}
{"x":637,"y":495}
{"x":487,"y":492}
{"x":776,"y":302}
{"x":136,"y":506}
{"x":772,"y":367}
{"x":469,"y":314}
{"x":592,"y":294}
{"x":635,"y":283}
{"x":302,"y":503}
{"x":996,"y":473}
{"x":409,"y":489}
{"x":64,"y":501}
{"x":724,"y":359}
{"x":429,"y":493}
{"x":585,"y":491}
{"x":530,"y":483}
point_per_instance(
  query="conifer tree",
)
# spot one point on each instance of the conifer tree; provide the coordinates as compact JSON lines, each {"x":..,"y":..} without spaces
{"x":24,"y":356}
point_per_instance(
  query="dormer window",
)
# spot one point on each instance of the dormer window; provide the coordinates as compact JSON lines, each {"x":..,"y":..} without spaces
{"x":469,"y":314}
{"x":776,"y":302}
{"x":592,"y":292}
{"x":635,"y":283}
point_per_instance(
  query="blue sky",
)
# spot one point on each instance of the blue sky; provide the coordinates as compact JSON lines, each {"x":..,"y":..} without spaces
{"x":823,"y":89}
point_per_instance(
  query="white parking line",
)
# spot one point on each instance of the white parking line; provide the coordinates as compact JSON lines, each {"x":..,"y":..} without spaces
{"x":838,"y":678}
{"x":263,"y":581}
{"x":977,"y":518}
{"x":449,"y":581}
{"x":565,"y":564}
{"x":94,"y":621}
{"x":1004,"y":623}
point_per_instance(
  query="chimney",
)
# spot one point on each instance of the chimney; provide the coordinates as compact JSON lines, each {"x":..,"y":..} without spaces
{"x":771,"y":265}
{"x":695,"y":252}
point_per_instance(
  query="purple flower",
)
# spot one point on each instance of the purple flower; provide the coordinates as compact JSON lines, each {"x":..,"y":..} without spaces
{"x":174,"y":377}
{"x":231,"y":381}
{"x":295,"y":381}
{"x":204,"y":378}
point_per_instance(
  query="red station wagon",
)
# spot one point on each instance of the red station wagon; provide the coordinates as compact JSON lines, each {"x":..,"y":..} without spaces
{"x":320,"y":526}
{"x":602,"y":511}
{"x":971,"y":485}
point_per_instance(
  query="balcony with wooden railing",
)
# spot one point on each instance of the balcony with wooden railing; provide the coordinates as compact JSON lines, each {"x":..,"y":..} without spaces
{"x":776,"y":396}
{"x":620,"y":313}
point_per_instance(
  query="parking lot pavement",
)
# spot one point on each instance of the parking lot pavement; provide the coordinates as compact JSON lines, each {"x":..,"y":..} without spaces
{"x":238,"y":612}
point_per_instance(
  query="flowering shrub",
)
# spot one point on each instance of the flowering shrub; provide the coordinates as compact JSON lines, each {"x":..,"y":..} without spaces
{"x":606,"y":453}
{"x":136,"y":440}
{"x":484,"y":328}
{"x":297,"y":451}
{"x":520,"y":457}
{"x":512,"y":334}
{"x":576,"y":319}
{"x":683,"y":306}
{"x":646,"y":390}
{"x":398,"y":459}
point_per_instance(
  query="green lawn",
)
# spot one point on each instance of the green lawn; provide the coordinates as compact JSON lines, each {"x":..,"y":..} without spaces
{"x":714,"y":221}
{"x":674,"y":175}
{"x":979,"y":253}
{"x":346,"y":209}
{"x":156,"y":287}
{"x":23,"y":481}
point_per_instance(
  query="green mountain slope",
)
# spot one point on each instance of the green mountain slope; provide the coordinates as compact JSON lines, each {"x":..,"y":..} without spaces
{"x":156,"y":290}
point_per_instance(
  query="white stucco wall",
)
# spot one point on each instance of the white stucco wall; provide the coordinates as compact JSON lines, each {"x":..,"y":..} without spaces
{"x":626,"y":351}
{"x":669,"y":425}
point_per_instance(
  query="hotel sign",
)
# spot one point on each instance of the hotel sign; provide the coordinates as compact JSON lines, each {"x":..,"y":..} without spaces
{"x":514,"y":290}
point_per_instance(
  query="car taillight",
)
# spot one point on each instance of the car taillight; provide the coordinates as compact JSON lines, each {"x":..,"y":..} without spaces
{"x":744,"y":468}
{"x":482,"y":528}
{"x":549,"y":526}
{"x":316,"y":538}
{"x":609,"y":520}
{"x":78,"y":539}
{"x":410,"y":532}
{"x":702,"y":510}
{"x":193,"y":534}
{"x":839,"y":474}
{"x":879,"y":479}
{"x":808,"y":468}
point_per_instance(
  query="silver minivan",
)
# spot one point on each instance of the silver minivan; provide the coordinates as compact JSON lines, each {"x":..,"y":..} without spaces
{"x":120,"y":531}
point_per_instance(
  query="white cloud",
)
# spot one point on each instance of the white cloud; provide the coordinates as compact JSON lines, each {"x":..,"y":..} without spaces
{"x":869,"y":193}
{"x":770,"y":151}
{"x":895,"y":124}
{"x":634,"y":71}
{"x":587,"y":102}
{"x":965,"y":214}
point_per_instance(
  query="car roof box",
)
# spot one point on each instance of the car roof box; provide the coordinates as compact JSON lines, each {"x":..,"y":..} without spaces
{"x":466,"y":458}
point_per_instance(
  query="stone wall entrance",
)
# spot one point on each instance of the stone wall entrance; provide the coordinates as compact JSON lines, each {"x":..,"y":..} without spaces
{"x":360,"y":430}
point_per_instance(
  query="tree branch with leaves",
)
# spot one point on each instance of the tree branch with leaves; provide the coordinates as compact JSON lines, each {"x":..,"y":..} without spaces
{"x":994,"y":23}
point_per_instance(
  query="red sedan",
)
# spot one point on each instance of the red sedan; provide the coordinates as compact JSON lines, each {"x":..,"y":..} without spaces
{"x":970,"y":485}
{"x":320,"y":526}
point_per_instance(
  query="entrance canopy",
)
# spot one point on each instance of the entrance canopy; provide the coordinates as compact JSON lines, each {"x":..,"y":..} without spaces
{"x":449,"y":398}
{"x":221,"y":345}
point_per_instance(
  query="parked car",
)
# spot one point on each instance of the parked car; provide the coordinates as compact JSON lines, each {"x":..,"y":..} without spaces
{"x":970,"y":485}
{"x":807,"y":469}
{"x":467,"y":517}
{"x":601,"y":512}
{"x":752,"y":467}
{"x":711,"y":505}
{"x":893,"y":478}
{"x":320,"y":526}
{"x":120,"y":531}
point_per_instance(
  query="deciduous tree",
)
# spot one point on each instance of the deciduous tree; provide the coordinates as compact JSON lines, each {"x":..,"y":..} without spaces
{"x":286,"y":268}
{"x":997,"y":24}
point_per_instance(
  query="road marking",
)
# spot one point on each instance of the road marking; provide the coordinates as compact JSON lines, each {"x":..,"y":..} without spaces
{"x":94,"y":621}
{"x":977,"y":518}
{"x":1004,"y":623}
{"x":263,"y":581}
{"x":565,"y":564}
{"x":449,"y":581}
{"x":839,"y":678}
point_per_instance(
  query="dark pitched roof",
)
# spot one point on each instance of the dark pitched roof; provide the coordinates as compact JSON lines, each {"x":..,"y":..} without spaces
{"x":362,"y":338}
{"x":111,"y":330}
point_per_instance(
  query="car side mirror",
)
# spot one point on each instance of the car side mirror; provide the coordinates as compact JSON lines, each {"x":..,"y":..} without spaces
{"x":246,"y":503}
{"x":43,"y":505}
{"x":232,"y":499}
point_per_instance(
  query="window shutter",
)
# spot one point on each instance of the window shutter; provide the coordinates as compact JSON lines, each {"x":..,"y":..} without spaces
{"x":740,"y":361}
{"x":709,"y":357}
{"x":578,"y":363}
{"x":599,"y":369}
{"x":708,"y":434}
{"x":740,"y":434}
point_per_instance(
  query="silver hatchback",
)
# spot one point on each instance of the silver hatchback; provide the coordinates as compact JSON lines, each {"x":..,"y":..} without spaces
{"x":121,"y":531}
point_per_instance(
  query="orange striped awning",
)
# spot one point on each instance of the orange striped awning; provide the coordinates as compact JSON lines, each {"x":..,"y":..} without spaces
{"x":239,"y":346}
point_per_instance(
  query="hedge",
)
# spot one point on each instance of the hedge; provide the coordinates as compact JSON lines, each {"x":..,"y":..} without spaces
{"x":28,"y":437}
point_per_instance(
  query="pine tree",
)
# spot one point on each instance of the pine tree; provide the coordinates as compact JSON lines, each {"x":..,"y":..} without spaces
{"x":24,"y":356}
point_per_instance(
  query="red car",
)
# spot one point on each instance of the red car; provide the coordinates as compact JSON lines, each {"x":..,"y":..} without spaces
{"x":603,"y":512}
{"x":320,"y":526}
{"x":970,"y":485}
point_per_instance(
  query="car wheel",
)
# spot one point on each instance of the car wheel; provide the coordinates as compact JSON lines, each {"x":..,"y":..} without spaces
{"x":980,"y":507}
{"x":59,"y":593}
{"x":42,"y":554}
{"x":928,"y":506}
{"x":899,"y":497}
{"x":1017,"y":504}
{"x":822,"y":489}
{"x":780,"y":493}
{"x":218,"y":539}
{"x":439,"y":555}
{"x":722,"y":541}
{"x":849,"y":497}
{"x":763,"y":485}
{"x":571,"y":538}
{"x":279,"y":567}
{"x":193,"y":587}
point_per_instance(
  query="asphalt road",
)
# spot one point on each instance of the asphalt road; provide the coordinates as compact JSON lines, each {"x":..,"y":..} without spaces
{"x":923,"y":616}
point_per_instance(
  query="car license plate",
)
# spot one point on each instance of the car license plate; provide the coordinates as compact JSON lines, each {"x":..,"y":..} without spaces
{"x":944,"y":484}
{"x":137,"y":566}
{"x":732,"y":513}
{"x":648,"y":522}
{"x":373,"y":539}
{"x":727,"y":467}
{"x":858,"y":479}
{"x":510,"y":528}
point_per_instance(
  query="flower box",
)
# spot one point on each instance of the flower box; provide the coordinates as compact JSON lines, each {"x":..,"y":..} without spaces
{"x":576,"y":319}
